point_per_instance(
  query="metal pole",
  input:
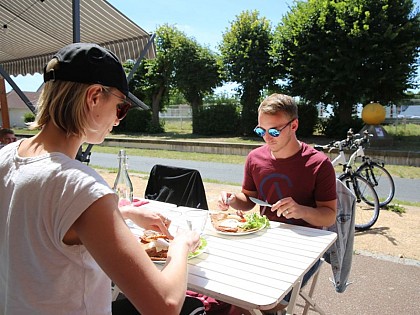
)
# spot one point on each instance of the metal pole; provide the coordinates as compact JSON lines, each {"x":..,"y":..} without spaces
{"x":18,"y":91}
{"x":76,"y":21}
{"x":142,"y":54}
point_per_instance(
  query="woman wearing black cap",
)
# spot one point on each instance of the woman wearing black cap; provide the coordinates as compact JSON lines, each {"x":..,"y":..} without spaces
{"x":63,"y":237}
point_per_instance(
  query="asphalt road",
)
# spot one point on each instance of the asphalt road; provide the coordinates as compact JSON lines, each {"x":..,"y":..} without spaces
{"x":405,"y":189}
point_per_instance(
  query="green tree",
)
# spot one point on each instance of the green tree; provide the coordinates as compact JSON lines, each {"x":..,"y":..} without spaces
{"x":180,"y":64}
{"x":197,"y":73}
{"x":245,"y":52}
{"x":348,"y":52}
{"x":153,"y":79}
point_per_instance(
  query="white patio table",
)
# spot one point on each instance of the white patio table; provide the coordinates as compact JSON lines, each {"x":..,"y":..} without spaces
{"x":256,"y":271}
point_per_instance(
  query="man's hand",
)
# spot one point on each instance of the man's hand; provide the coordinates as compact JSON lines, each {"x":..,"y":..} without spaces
{"x":288,"y":208}
{"x":224,"y":200}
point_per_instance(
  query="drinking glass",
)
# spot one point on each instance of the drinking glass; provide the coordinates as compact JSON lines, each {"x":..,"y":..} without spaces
{"x":196,"y":220}
{"x":175,"y":218}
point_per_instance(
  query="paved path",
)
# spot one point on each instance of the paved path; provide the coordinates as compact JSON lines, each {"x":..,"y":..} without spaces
{"x":378,"y":287}
{"x":406,"y":189}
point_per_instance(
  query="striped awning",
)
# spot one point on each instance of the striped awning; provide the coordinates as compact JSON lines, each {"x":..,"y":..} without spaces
{"x":33,"y":30}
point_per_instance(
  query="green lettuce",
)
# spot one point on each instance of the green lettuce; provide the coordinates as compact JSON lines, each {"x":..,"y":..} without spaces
{"x":255,"y":221}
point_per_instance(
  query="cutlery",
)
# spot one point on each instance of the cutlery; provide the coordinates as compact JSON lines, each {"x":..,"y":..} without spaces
{"x":229,"y":199}
{"x":260,"y":202}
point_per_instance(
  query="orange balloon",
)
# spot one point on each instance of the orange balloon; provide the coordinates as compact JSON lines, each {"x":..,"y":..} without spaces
{"x":373,"y":114}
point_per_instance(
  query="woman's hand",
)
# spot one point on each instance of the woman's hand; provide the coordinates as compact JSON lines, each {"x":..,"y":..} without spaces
{"x":147,"y":219}
{"x":190,"y":238}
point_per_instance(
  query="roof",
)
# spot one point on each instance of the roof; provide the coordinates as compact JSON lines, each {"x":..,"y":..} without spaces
{"x":36,"y":29}
{"x":15,"y":102}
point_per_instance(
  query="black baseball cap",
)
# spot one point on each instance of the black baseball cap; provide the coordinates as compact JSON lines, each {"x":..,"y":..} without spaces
{"x":91,"y":63}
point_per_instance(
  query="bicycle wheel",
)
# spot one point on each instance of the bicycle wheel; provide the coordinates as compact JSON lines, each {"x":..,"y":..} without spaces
{"x":367,"y":202}
{"x":380,"y":179}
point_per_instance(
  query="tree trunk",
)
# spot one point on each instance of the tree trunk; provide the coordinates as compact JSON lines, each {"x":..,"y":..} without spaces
{"x":195,"y":106}
{"x":249,"y":100}
{"x":345,"y":112}
{"x":156,"y":100}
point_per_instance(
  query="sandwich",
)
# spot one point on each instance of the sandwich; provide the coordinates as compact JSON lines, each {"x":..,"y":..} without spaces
{"x":155,"y":244}
{"x":226,"y":222}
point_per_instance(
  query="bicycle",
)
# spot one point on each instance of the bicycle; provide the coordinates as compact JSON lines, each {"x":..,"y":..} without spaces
{"x":367,"y":202}
{"x":374,"y":172}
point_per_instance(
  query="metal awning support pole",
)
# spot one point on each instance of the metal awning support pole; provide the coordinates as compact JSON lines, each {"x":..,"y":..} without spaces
{"x":82,"y":156}
{"x":76,"y":21}
{"x":142,"y":54}
{"x":18,"y":91}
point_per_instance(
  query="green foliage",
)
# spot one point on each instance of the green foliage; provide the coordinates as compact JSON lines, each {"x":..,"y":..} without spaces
{"x":395,"y":208}
{"x":181,"y":65}
{"x":403,"y":130}
{"x":220,"y":99}
{"x":246,"y":57}
{"x":175,"y":97}
{"x":308,"y":119}
{"x":349,"y":52}
{"x":197,"y":71}
{"x":135,"y":121}
{"x":28,"y":117}
{"x":217,"y":120}
{"x":334,"y":129}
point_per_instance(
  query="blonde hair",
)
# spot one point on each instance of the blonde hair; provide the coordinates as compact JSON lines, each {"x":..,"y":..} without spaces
{"x":64,"y":104}
{"x":279,"y":103}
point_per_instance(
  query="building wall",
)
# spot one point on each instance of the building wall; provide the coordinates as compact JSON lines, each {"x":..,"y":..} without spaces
{"x":16,"y":117}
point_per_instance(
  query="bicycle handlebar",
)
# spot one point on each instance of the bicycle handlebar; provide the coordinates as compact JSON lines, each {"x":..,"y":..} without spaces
{"x":350,"y":142}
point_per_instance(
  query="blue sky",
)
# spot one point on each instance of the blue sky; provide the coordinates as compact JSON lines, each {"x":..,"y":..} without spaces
{"x":204,"y":20}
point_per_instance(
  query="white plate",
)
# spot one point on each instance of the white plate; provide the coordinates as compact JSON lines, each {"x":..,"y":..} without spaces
{"x":232,"y":223}
{"x":238,"y":233}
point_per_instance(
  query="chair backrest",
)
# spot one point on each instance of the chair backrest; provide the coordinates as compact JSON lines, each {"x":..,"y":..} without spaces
{"x":177,"y":185}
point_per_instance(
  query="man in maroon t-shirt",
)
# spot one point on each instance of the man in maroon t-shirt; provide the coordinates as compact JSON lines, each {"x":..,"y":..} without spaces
{"x":296,"y":179}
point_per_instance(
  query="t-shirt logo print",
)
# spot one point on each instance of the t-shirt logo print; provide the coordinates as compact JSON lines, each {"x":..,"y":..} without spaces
{"x":270,"y":186}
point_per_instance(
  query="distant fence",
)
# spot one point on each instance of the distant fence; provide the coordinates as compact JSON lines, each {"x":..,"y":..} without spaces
{"x":401,"y":121}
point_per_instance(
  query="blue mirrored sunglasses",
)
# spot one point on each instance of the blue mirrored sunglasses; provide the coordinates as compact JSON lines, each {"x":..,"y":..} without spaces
{"x":272,"y":131}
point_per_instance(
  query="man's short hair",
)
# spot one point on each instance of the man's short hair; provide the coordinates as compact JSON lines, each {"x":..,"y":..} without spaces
{"x":276,"y":103}
{"x":6,"y":131}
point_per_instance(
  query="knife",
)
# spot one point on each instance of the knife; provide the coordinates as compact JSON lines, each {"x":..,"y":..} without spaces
{"x":260,"y":202}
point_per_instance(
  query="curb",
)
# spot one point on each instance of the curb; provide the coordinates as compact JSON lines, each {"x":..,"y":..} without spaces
{"x":395,"y":259}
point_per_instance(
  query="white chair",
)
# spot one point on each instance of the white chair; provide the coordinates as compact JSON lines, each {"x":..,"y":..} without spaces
{"x":309,"y":301}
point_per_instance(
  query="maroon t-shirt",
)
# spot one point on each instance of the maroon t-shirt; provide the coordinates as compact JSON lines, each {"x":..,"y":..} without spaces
{"x":307,"y":176}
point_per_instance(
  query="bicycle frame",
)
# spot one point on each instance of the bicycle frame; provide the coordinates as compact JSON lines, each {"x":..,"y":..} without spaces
{"x":367,"y":202}
{"x":342,"y":160}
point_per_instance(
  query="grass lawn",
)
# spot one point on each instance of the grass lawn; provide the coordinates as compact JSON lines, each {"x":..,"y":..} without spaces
{"x":406,"y":137}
